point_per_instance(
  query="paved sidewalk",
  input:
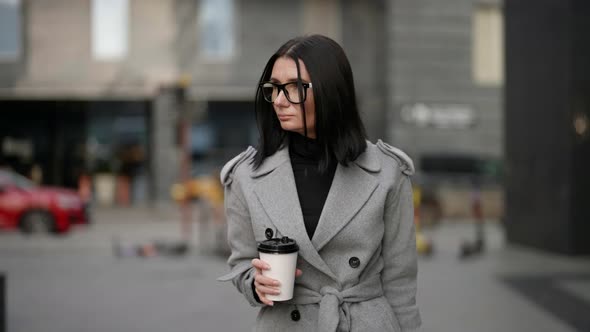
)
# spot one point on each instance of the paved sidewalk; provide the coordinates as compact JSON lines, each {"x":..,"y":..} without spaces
{"x":156,"y":212}
{"x":486,"y":293}
{"x":129,"y":226}
{"x":507,"y":288}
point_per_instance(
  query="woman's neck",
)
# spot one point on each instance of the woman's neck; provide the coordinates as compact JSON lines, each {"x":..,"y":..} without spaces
{"x":304,"y":146}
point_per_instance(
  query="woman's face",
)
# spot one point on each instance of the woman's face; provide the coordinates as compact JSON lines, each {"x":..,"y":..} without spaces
{"x":291,"y":115}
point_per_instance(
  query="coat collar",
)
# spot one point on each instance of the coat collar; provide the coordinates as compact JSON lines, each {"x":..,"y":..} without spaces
{"x":272,"y":162}
{"x":368,"y":160}
{"x":352,"y":186}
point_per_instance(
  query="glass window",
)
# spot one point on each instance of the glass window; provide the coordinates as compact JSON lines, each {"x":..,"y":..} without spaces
{"x":10,"y":29}
{"x":488,"y":45}
{"x":109,"y":29}
{"x":216,"y":29}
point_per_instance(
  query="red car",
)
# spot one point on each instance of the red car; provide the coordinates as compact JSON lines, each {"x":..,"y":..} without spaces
{"x":33,"y":208}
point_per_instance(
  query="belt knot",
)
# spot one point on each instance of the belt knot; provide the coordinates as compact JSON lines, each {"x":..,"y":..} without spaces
{"x":331,"y":291}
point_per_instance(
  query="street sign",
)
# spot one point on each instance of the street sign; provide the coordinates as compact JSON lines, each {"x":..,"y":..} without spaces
{"x":442,"y":116}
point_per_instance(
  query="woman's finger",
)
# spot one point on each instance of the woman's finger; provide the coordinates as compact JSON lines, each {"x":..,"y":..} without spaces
{"x":260,"y":264}
{"x":263,"y":298}
{"x":298,"y":272}
{"x":266,"y":289}
{"x":266,"y":280}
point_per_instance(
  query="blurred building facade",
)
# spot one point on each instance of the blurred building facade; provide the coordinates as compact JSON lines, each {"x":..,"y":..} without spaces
{"x":548,"y":125}
{"x":101,"y":87}
{"x":445,"y":77}
{"x":88,"y":89}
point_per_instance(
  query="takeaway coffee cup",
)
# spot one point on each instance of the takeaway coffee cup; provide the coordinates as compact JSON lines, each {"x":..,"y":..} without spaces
{"x":281,"y":255}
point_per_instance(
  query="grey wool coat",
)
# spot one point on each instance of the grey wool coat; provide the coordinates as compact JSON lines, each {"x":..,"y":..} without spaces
{"x":359,"y":269}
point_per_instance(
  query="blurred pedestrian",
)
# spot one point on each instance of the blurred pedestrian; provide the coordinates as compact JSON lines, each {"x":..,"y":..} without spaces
{"x":346,"y":201}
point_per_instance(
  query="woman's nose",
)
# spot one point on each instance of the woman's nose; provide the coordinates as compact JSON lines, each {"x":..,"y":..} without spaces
{"x":281,"y":99}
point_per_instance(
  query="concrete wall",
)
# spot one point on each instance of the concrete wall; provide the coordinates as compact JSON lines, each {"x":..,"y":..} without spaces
{"x":260,"y":31}
{"x":401,"y":51}
{"x":262,"y":28}
{"x":58,"y":58}
{"x":365,"y":42}
{"x":429,"y":53}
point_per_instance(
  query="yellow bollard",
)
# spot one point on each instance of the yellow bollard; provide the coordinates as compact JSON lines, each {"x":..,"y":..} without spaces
{"x":423,"y":244}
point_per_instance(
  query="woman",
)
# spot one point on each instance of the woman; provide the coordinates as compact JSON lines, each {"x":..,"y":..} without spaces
{"x":315,"y":178}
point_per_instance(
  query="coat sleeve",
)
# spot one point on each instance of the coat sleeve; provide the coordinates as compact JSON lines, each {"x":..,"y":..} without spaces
{"x":241,"y":242}
{"x":399,"y":254}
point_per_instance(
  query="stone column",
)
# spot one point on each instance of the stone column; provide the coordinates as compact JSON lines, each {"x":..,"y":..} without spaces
{"x":164,"y":148}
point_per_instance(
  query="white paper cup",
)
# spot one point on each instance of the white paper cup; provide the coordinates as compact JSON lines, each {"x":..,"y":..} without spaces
{"x":281,"y":255}
{"x":282,"y":268}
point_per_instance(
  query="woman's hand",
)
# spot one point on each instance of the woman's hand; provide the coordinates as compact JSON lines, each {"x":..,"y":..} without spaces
{"x":265,"y":285}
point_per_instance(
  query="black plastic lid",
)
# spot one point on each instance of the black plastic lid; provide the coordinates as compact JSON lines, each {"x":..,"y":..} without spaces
{"x":282,"y":245}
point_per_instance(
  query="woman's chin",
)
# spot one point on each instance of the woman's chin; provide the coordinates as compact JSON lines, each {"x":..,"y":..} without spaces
{"x":287,"y":127}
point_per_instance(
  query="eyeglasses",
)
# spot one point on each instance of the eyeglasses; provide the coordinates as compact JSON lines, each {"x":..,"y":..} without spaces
{"x":271,"y":91}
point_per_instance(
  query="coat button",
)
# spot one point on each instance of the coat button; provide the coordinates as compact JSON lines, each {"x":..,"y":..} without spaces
{"x":268,"y":233}
{"x":295,"y":315}
{"x":354,"y":262}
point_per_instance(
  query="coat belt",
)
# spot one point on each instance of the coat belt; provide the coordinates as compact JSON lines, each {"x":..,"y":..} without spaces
{"x":334,"y":304}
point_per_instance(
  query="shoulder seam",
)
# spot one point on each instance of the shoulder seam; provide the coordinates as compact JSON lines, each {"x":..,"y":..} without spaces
{"x":230,"y":167}
{"x":404,"y":161}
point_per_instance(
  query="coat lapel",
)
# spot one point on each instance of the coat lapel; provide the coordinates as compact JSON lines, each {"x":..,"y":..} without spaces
{"x":277,"y":192}
{"x":351,"y":188}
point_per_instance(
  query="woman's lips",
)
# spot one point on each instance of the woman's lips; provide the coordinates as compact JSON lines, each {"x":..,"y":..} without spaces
{"x":283,"y":117}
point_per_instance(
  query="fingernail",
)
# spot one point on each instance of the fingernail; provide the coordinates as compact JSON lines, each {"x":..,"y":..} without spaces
{"x":276,"y":283}
{"x":266,"y":266}
{"x":272,"y":304}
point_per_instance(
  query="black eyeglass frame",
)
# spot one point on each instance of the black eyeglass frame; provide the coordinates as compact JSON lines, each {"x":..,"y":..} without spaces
{"x":281,"y":87}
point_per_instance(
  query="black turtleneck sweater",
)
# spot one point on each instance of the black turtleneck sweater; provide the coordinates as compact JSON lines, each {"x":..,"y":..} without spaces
{"x":312,"y":186}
